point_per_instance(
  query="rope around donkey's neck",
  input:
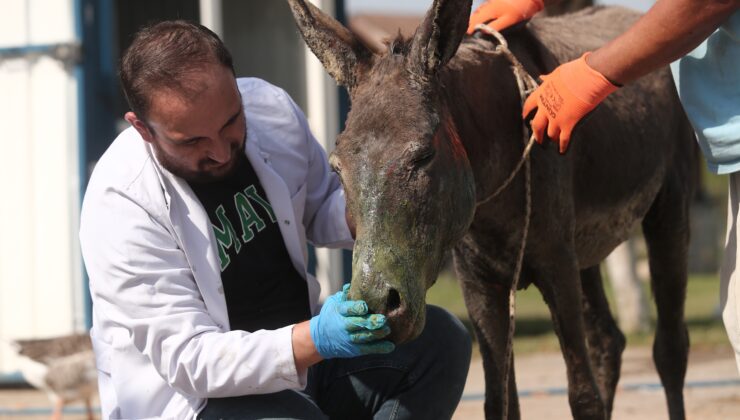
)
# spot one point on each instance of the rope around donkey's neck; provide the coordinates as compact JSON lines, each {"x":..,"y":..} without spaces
{"x":526,"y":85}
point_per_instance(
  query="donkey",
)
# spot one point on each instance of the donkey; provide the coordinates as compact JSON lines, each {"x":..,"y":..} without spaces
{"x":435,"y":128}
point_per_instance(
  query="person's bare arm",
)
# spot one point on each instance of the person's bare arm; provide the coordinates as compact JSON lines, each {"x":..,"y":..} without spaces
{"x":304,"y":351}
{"x":669,"y":30}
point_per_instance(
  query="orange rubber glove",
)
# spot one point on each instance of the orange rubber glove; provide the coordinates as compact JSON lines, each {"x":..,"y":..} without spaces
{"x":566,"y":95}
{"x":504,"y":13}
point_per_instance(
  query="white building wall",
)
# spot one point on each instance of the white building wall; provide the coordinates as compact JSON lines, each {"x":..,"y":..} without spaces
{"x":40,"y":268}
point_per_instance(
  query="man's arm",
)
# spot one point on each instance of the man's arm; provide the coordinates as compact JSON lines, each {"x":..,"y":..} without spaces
{"x":666,"y":32}
{"x":304,"y":351}
{"x":669,"y":30}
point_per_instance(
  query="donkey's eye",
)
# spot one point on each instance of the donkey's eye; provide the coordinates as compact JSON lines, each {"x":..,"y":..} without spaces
{"x":423,"y":157}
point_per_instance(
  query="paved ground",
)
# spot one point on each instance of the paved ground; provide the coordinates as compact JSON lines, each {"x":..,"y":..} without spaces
{"x":712,"y":392}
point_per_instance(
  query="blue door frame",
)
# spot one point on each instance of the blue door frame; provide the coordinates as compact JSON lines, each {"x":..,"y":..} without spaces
{"x":96,"y":85}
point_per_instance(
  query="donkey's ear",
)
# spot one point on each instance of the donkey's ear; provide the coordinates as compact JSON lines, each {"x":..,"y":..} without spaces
{"x":338,"y":49}
{"x":438,"y":37}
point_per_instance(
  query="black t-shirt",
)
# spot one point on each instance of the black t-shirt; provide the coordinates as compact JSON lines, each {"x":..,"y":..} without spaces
{"x":263,"y":290}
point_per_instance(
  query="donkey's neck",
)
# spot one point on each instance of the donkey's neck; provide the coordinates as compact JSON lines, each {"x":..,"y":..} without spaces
{"x":481,"y":94}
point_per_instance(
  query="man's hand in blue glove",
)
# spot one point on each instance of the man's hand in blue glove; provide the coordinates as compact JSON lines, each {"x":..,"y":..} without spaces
{"x":343,"y":328}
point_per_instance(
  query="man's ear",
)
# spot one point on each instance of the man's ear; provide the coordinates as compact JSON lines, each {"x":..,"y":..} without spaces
{"x":140,"y":126}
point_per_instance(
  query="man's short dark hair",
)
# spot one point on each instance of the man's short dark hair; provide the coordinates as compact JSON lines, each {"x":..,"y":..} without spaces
{"x":163,"y":56}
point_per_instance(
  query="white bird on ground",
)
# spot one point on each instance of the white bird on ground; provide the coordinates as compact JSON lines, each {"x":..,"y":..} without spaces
{"x":63,"y":367}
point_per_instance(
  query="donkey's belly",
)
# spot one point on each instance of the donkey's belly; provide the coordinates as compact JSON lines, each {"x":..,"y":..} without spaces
{"x":602,"y":225}
{"x":621,"y":161}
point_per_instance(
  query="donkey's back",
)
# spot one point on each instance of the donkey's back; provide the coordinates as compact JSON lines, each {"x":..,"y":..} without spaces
{"x":637,"y":143}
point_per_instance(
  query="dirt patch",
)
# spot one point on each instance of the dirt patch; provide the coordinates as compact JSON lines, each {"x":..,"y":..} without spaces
{"x":712,"y":389}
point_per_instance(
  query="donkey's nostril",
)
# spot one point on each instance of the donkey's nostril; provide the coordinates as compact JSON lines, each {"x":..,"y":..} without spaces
{"x":394,"y":301}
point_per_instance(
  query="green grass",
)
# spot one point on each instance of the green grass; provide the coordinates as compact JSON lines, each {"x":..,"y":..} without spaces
{"x":715,"y":186}
{"x":534,"y":328}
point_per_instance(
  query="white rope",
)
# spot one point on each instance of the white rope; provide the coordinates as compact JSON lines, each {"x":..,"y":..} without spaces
{"x":526,"y":85}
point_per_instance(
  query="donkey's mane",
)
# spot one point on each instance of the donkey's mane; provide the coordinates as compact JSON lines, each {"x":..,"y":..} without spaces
{"x":399,"y":45}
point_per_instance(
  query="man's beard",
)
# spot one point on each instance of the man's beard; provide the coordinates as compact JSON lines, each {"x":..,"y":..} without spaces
{"x":202,"y":175}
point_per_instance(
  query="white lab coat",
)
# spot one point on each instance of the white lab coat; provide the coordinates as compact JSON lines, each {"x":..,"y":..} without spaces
{"x":161,"y":331}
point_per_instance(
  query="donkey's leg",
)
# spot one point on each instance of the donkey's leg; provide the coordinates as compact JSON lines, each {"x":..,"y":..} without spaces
{"x":562,"y":292}
{"x":666,"y":230}
{"x":488,"y":307}
{"x":489,"y":312}
{"x":606,"y":342}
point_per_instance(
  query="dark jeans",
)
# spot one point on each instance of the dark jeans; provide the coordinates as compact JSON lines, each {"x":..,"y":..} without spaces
{"x":423,"y":379}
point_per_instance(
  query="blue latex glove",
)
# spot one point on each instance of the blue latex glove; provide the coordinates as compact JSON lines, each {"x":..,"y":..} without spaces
{"x":343,"y":328}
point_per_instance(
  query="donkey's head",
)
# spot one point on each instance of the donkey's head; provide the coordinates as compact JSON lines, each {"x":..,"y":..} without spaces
{"x":407,"y":178}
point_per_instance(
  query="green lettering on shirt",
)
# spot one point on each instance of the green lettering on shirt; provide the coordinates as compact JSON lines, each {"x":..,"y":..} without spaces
{"x":248,"y":216}
{"x":251,"y":191}
{"x":226,"y":236}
